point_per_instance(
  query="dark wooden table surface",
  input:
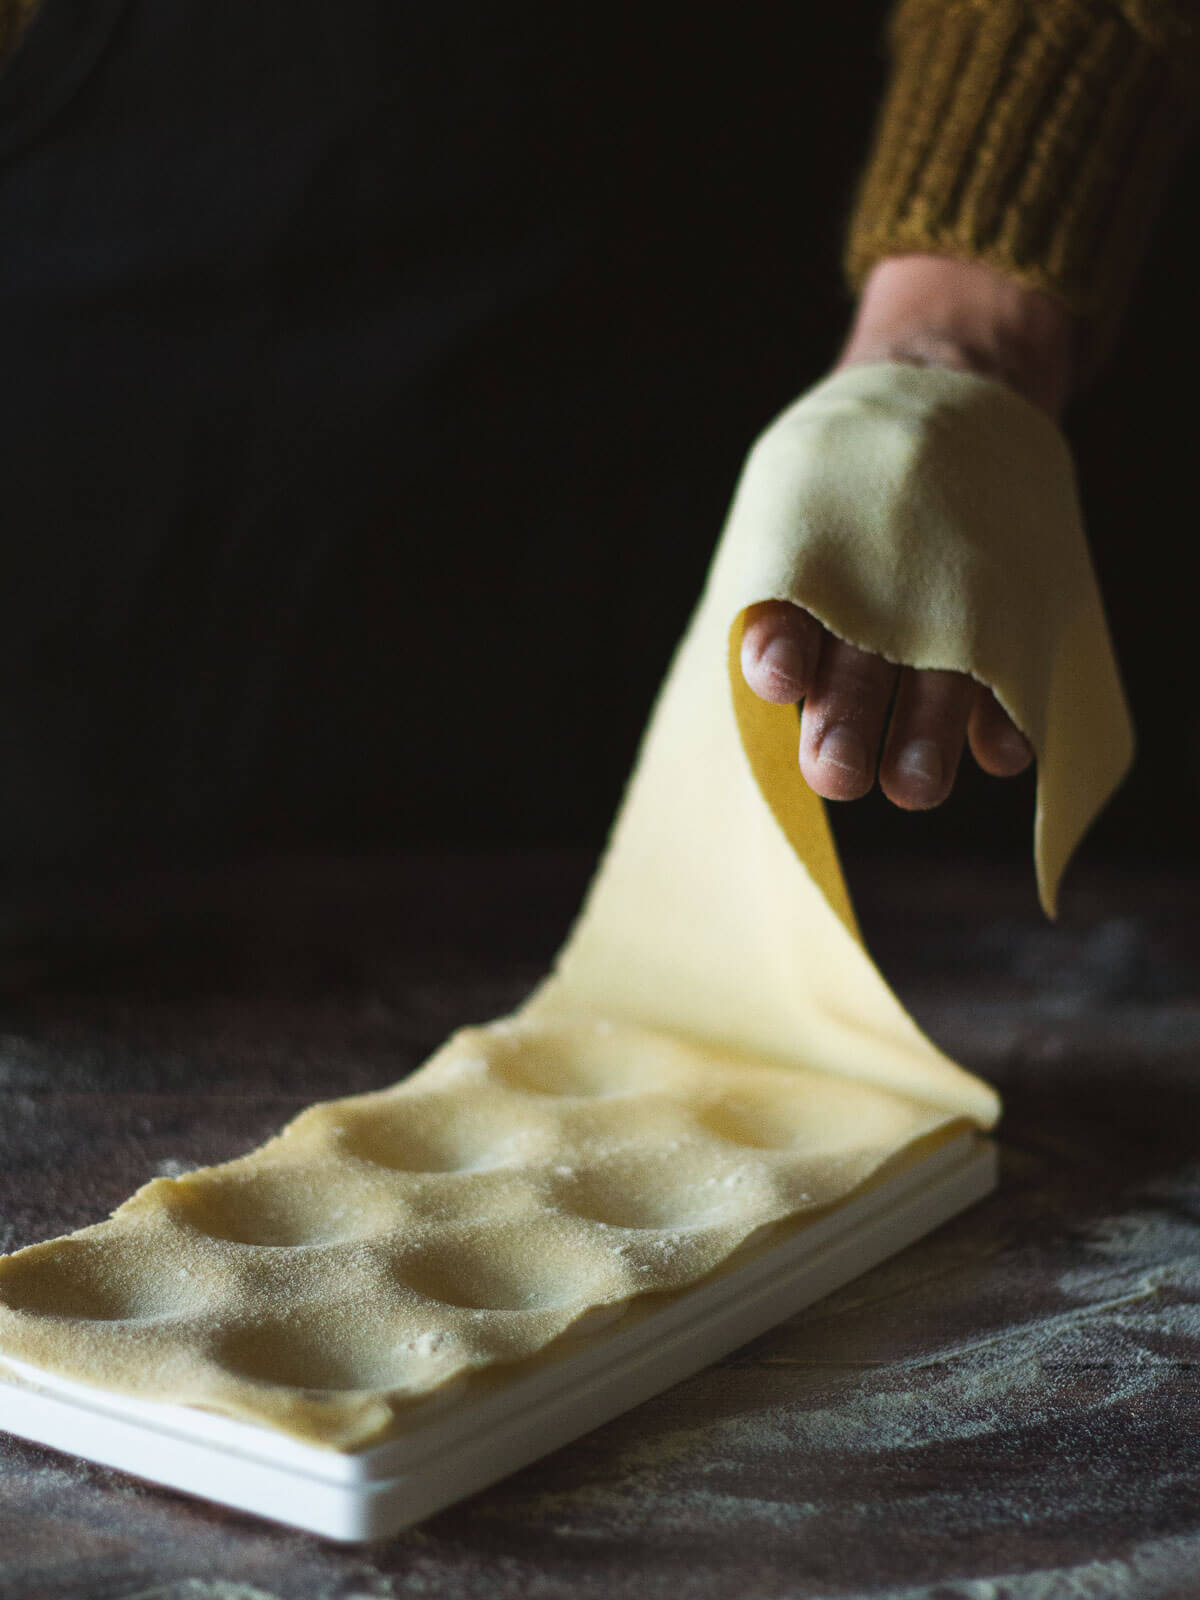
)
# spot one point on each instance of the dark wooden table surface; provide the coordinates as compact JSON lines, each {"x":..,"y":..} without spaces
{"x":1009,"y":1410}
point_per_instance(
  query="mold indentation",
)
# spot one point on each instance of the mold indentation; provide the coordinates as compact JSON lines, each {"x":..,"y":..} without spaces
{"x":315,"y":1354}
{"x":545,"y":1061}
{"x":434,"y":1133}
{"x":279,"y":1206}
{"x":760,"y":1123}
{"x":505,"y":1273}
{"x":687,"y":1190}
{"x":113,"y":1279}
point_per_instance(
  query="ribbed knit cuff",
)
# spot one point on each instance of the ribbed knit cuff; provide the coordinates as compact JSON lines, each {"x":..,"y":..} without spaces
{"x":1035,"y":136}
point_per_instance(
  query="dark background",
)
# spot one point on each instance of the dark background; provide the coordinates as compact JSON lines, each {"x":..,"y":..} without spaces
{"x":374,"y":389}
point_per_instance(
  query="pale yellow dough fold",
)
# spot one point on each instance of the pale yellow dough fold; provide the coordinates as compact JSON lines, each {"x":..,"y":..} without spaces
{"x":715,"y":1051}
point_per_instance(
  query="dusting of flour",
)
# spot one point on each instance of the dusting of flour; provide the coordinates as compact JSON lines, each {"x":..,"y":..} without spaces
{"x":960,"y":1456}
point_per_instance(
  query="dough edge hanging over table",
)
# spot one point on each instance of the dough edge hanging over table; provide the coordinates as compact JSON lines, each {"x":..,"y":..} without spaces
{"x":715,"y":1050}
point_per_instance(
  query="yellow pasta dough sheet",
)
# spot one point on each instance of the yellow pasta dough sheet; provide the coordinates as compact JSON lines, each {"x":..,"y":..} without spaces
{"x":714,"y":1051}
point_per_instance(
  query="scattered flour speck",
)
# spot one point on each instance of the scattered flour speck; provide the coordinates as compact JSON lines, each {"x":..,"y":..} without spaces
{"x":171,"y":1167}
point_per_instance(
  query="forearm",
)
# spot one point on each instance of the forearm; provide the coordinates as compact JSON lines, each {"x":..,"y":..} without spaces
{"x":933,"y":311}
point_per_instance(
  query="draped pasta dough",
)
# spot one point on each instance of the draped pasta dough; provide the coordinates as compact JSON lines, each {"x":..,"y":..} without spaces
{"x":715,"y":1050}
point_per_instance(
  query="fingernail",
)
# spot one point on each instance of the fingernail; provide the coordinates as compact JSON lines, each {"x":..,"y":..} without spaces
{"x":784,"y":657}
{"x":921,"y":760}
{"x":846,"y":749}
{"x":1014,"y":744}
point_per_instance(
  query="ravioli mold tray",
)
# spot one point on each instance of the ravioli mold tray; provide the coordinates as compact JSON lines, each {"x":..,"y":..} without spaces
{"x":480,"y":1430}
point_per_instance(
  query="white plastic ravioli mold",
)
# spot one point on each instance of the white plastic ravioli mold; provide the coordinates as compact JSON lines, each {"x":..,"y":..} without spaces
{"x":482,"y":1426}
{"x":532,"y":1173}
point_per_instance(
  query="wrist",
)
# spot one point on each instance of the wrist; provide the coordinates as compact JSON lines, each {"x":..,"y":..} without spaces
{"x":936,"y":311}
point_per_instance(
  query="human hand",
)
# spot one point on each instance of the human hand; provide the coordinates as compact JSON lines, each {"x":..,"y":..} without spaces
{"x":928,"y":311}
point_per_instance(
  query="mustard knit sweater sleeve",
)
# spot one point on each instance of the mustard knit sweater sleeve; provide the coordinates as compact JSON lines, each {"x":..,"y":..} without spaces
{"x":1035,"y":136}
{"x":14,"y":14}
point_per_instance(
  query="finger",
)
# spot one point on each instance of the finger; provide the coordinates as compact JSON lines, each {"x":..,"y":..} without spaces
{"x":780,"y":646}
{"x":998,"y":745}
{"x":843,"y":719}
{"x":925,"y":740}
